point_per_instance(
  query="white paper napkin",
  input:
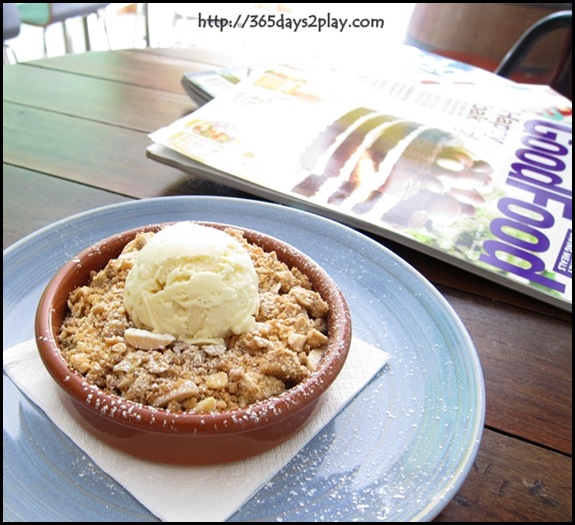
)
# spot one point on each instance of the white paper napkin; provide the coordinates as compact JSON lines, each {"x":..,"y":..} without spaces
{"x":164,"y":489}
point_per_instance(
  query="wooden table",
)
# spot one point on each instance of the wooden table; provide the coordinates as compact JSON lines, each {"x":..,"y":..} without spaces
{"x":75,"y":134}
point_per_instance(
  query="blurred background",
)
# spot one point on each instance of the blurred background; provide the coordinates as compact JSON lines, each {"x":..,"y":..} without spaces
{"x":123,"y":26}
{"x":478,"y":34}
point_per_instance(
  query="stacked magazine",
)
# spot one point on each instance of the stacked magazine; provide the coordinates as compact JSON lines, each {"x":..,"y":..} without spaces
{"x":447,"y":159}
{"x":203,"y":86}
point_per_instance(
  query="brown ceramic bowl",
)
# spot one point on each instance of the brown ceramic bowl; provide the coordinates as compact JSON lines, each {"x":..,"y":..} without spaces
{"x":187,"y":438}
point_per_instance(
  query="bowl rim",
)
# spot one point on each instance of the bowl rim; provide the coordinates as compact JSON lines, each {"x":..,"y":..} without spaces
{"x":136,"y":415}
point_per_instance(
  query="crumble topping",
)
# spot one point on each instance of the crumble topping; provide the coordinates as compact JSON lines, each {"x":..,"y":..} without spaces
{"x":99,"y":341}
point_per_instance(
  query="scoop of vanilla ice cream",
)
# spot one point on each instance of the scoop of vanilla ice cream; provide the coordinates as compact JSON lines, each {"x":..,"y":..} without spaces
{"x":194,"y":282}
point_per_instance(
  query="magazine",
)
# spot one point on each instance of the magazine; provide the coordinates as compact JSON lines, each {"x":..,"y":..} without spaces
{"x":203,"y":86}
{"x":425,"y":67}
{"x":477,"y":173}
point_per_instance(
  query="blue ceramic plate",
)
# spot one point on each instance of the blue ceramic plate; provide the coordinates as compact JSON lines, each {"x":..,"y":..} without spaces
{"x":398,"y":452}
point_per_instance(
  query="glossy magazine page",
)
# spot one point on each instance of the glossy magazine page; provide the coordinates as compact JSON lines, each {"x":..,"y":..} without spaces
{"x":475,"y":172}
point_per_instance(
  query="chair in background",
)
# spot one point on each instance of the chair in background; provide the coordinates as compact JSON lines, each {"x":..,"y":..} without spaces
{"x":143,"y":11}
{"x":527,"y":43}
{"x":11,"y":23}
{"x":44,"y":15}
{"x":560,"y":75}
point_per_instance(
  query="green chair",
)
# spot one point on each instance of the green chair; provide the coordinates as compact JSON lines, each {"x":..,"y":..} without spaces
{"x":44,"y":15}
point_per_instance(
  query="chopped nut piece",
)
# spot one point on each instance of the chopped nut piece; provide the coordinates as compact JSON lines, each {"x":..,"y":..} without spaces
{"x":316,"y":339}
{"x":147,"y":340}
{"x":313,"y":358}
{"x":217,"y":381}
{"x":206,"y":405}
{"x":213,"y":350}
{"x":297,"y":342}
{"x":183,"y":391}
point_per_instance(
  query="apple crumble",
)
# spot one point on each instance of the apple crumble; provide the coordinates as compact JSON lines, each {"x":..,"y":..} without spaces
{"x":99,"y":340}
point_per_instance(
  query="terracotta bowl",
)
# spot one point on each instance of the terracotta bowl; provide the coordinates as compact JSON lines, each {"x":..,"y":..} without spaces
{"x":187,"y":438}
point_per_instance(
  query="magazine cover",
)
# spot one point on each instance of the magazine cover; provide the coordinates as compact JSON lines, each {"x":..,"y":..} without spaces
{"x":476,"y":173}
